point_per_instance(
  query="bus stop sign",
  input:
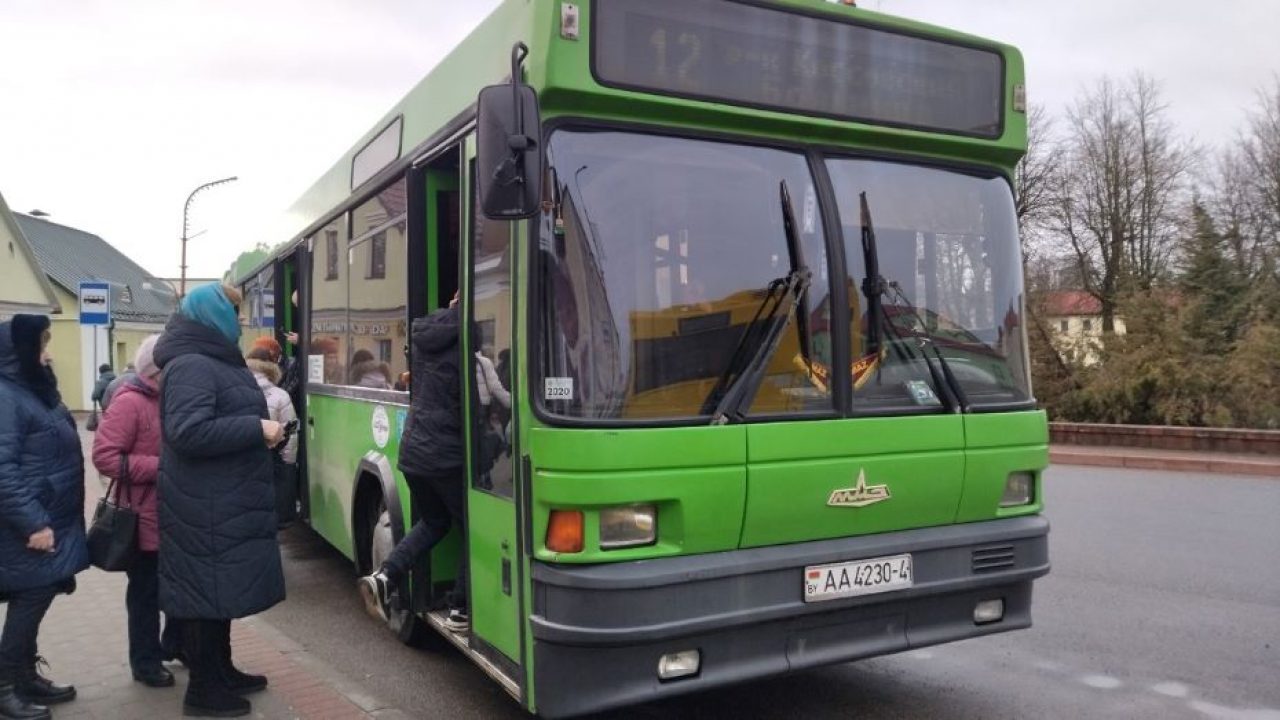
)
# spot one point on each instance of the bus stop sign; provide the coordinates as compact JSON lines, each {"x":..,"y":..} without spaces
{"x":95,"y":303}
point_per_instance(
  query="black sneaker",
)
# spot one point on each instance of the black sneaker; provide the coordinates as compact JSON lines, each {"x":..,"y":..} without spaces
{"x":375,"y":589}
{"x":458,"y":620}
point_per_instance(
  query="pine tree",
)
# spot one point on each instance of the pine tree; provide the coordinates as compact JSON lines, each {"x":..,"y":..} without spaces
{"x":1212,"y":287}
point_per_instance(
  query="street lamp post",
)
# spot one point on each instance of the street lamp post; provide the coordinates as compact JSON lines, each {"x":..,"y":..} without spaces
{"x":186,"y":228}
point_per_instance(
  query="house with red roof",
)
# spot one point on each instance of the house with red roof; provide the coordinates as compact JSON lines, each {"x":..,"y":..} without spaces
{"x":1074,"y":319}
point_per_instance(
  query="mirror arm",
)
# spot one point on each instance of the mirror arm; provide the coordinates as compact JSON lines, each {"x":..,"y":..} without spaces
{"x":519,"y":52}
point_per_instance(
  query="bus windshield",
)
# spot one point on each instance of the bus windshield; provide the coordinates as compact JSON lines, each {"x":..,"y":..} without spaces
{"x":656,"y":259}
{"x":948,"y":249}
{"x":658,"y":252}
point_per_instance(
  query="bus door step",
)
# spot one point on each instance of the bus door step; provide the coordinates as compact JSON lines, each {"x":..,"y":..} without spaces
{"x":463,"y":642}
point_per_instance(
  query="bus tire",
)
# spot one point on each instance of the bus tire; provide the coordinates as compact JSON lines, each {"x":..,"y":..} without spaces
{"x":380,"y":541}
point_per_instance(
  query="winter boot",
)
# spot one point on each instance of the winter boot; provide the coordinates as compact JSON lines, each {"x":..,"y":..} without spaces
{"x":36,"y":688}
{"x":13,"y":706}
{"x":207,"y":692}
{"x":240,"y":683}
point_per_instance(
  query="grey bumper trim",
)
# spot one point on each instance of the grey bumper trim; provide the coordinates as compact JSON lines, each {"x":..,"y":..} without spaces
{"x":645,"y":601}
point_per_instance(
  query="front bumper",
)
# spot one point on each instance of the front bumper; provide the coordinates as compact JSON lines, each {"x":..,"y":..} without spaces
{"x":599,"y":630}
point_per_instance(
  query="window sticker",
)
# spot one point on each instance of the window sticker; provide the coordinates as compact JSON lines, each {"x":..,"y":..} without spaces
{"x":810,"y":210}
{"x":315,"y":368}
{"x":921,"y":393}
{"x":557,"y":388}
{"x":381,"y":426}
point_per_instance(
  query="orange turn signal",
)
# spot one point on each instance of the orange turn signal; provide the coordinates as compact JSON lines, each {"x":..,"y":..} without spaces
{"x":564,"y":531}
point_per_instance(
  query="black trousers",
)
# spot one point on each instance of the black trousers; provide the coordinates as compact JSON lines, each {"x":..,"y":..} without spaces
{"x":142,"y":601}
{"x":22,"y":620}
{"x":439,"y":499}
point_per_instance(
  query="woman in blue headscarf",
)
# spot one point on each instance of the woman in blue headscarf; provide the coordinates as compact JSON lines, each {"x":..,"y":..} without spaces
{"x":218,"y":554}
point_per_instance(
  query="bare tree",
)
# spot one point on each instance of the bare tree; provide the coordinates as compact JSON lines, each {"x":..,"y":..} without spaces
{"x":1038,"y":173}
{"x":1122,"y":189}
{"x":1247,"y":188}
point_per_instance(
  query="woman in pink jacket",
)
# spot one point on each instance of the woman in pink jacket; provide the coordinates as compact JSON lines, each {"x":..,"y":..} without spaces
{"x":128,"y":442}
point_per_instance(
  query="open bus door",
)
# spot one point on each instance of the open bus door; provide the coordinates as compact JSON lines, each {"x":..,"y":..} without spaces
{"x":494,"y":542}
{"x":291,"y":273}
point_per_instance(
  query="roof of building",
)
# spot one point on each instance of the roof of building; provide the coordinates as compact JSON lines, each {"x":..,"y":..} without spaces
{"x":1061,"y":303}
{"x":70,"y":256}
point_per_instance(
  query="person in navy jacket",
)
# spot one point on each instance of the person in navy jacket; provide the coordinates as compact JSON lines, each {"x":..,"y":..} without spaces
{"x":42,"y":533}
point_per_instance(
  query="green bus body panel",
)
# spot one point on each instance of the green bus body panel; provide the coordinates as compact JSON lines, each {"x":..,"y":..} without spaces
{"x":774,"y":442}
{"x":1006,"y":429}
{"x":334,"y":453}
{"x":699,"y":509}
{"x":491,"y":534}
{"x":1000,"y":444}
{"x":720,"y":488}
{"x":694,"y":475}
{"x":340,"y":436}
{"x":629,"y":449}
{"x":795,"y":467}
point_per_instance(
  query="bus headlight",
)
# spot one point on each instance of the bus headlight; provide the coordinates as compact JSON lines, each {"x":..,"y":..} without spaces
{"x":628,"y":526}
{"x":1019,"y":489}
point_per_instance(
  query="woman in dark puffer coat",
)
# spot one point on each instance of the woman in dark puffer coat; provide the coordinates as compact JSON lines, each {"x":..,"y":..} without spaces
{"x":218,"y":554}
{"x":42,"y":543}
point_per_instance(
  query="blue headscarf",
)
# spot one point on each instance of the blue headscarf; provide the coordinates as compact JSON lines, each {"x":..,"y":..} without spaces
{"x":209,"y":306}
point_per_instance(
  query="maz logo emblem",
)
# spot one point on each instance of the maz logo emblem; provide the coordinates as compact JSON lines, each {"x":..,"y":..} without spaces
{"x":860,"y":495}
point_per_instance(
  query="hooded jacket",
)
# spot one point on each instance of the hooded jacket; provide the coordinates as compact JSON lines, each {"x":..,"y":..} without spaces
{"x":41,"y":466}
{"x":218,"y":556}
{"x":432,"y":442}
{"x":100,"y":387}
{"x":130,"y":429}
{"x":279,"y":406}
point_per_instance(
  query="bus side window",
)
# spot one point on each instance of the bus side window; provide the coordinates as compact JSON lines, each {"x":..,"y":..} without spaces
{"x":491,"y":361}
{"x":329,"y":300}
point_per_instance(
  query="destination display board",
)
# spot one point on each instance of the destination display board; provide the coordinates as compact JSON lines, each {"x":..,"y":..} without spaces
{"x":745,"y":54}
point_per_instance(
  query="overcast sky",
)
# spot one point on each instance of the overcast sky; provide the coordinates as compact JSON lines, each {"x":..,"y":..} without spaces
{"x":112,"y":111}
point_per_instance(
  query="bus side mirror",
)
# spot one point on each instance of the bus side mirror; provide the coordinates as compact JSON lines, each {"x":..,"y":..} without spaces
{"x":509,"y":153}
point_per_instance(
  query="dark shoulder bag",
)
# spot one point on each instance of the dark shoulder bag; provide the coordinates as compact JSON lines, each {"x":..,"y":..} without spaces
{"x":113,"y":536}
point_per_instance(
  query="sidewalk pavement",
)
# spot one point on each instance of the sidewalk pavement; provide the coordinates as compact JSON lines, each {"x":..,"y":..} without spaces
{"x":85,"y":640}
{"x":1167,"y":460}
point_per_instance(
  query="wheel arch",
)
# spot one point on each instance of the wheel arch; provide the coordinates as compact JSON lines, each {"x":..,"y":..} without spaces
{"x":374,"y":479}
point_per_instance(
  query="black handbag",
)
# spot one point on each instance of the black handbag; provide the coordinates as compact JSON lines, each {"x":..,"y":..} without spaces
{"x":113,"y":535}
{"x":92,"y":423}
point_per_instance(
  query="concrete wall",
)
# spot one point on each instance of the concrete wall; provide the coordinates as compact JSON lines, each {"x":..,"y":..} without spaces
{"x":1161,"y":437}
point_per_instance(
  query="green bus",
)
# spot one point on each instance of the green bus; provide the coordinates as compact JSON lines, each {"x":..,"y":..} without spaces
{"x":672,"y":224}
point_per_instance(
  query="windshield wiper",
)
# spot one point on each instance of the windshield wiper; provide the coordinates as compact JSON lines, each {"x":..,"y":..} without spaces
{"x":875,"y":288}
{"x":736,"y":388}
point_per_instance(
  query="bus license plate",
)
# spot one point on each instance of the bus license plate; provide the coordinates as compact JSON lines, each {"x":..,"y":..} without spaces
{"x":862,"y":577}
